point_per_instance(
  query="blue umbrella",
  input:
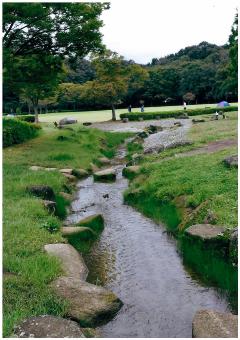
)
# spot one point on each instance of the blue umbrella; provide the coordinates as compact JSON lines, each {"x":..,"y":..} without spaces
{"x":223,"y":104}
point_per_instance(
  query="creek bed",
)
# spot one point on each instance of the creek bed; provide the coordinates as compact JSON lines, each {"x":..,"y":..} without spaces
{"x":139,"y":261}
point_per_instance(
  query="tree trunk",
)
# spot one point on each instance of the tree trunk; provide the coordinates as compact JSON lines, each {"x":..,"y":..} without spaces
{"x":35,"y":108}
{"x":113,"y":113}
{"x":29,"y":109}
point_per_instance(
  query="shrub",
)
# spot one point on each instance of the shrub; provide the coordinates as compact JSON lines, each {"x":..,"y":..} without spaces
{"x":27,"y":118}
{"x":16,"y":131}
{"x":171,"y":114}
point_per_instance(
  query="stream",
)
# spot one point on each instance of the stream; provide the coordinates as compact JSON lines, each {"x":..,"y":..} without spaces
{"x":139,"y":261}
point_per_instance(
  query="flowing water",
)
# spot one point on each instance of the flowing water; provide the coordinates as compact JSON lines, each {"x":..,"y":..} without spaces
{"x":139,"y":261}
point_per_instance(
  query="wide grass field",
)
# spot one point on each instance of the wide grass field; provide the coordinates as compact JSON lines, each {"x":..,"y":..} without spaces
{"x":105,"y":115}
{"x":27,"y":268}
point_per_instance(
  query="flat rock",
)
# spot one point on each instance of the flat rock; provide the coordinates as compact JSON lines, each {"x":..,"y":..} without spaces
{"x":48,"y":326}
{"x":205,"y":231}
{"x":72,"y":261}
{"x":104,"y":160}
{"x":231,"y":161}
{"x":80,"y":233}
{"x":80,"y":173}
{"x":36,"y":168}
{"x":131,"y":171}
{"x":105,"y":175}
{"x":66,"y":171}
{"x":95,"y":222}
{"x":90,"y":305}
{"x":212,"y":324}
{"x":71,"y":178}
{"x":43,"y":191}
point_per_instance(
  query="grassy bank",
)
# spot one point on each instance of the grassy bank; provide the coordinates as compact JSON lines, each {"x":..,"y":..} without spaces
{"x":27,"y":269}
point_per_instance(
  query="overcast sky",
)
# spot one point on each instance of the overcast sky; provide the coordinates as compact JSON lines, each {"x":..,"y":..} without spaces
{"x":144,"y":29}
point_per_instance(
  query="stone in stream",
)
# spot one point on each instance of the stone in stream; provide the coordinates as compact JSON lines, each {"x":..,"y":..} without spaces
{"x":50,"y":206}
{"x":79,"y":173}
{"x":95,"y":222}
{"x":90,"y":305}
{"x":231,"y":161}
{"x":77,"y":233}
{"x":131,"y":171}
{"x":212,"y":324}
{"x":107,"y":175}
{"x":43,"y":191}
{"x":48,"y":326}
{"x":72,"y":262}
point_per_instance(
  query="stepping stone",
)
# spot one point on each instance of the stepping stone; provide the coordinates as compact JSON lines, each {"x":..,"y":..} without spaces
{"x":80,"y":173}
{"x":90,"y":305}
{"x":107,"y":175}
{"x":205,"y":231}
{"x":212,"y":324}
{"x":43,"y":191}
{"x":66,"y":171}
{"x":95,"y":222}
{"x":36,"y":168}
{"x":48,"y":326}
{"x":104,"y":160}
{"x":77,"y":233}
{"x":131,"y":171}
{"x":51,"y":169}
{"x":71,"y":178}
{"x":72,"y":262}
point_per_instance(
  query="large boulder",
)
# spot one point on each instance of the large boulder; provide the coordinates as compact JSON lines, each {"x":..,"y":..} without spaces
{"x":205,"y":231}
{"x":131,"y":171}
{"x":42,"y":191}
{"x":72,"y":262}
{"x":48,"y":326}
{"x":95,"y":222}
{"x":90,"y":305}
{"x":67,"y":120}
{"x":154,"y":149}
{"x":212,"y":324}
{"x":107,"y":175}
{"x":231,"y":161}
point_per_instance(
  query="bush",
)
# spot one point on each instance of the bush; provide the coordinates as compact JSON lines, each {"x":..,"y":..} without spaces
{"x":27,"y":118}
{"x":172,"y":114}
{"x":16,"y":131}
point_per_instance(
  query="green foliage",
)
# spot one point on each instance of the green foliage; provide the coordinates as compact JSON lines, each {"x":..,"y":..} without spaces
{"x":168,"y":114}
{"x":26,"y":118}
{"x":16,"y":132}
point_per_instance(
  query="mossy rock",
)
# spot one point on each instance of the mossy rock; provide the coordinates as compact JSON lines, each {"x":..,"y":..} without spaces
{"x":94,"y":222}
{"x":79,"y":173}
{"x":108,"y":175}
{"x":78,"y":233}
{"x":131,"y":171}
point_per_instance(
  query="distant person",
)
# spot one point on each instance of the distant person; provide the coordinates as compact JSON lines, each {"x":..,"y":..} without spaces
{"x":142,"y":108}
{"x":216,"y":115}
{"x":184,"y":105}
{"x":130,"y":108}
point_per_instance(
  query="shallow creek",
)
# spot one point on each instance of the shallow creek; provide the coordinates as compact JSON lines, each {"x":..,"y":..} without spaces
{"x":139,"y":261}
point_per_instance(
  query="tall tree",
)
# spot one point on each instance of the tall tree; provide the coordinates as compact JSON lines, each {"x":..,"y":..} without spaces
{"x":54,"y":30}
{"x":233,"y":55}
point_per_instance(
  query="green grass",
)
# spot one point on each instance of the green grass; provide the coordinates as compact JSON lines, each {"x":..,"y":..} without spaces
{"x":104,"y":115}
{"x":203,"y":180}
{"x":28,"y":268}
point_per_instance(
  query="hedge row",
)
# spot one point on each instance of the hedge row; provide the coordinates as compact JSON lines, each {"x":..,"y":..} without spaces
{"x":27,"y":118}
{"x":170,"y":114}
{"x":16,"y":131}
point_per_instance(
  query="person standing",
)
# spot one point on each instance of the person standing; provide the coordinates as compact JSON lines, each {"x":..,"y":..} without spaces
{"x":184,"y":105}
{"x":130,"y":108}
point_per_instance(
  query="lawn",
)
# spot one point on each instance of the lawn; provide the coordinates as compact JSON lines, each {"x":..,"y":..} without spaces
{"x":27,"y":269}
{"x":104,"y":115}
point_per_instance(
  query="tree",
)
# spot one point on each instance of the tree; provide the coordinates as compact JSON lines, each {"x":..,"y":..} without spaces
{"x":113,"y":80}
{"x":233,"y":55}
{"x":189,"y":97}
{"x":69,"y":93}
{"x":47,"y":33}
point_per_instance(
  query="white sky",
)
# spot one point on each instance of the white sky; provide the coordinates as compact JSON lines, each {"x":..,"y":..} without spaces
{"x":142,"y":30}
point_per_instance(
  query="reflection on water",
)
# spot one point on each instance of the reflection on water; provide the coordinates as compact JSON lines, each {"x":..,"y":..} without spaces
{"x":139,"y":261}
